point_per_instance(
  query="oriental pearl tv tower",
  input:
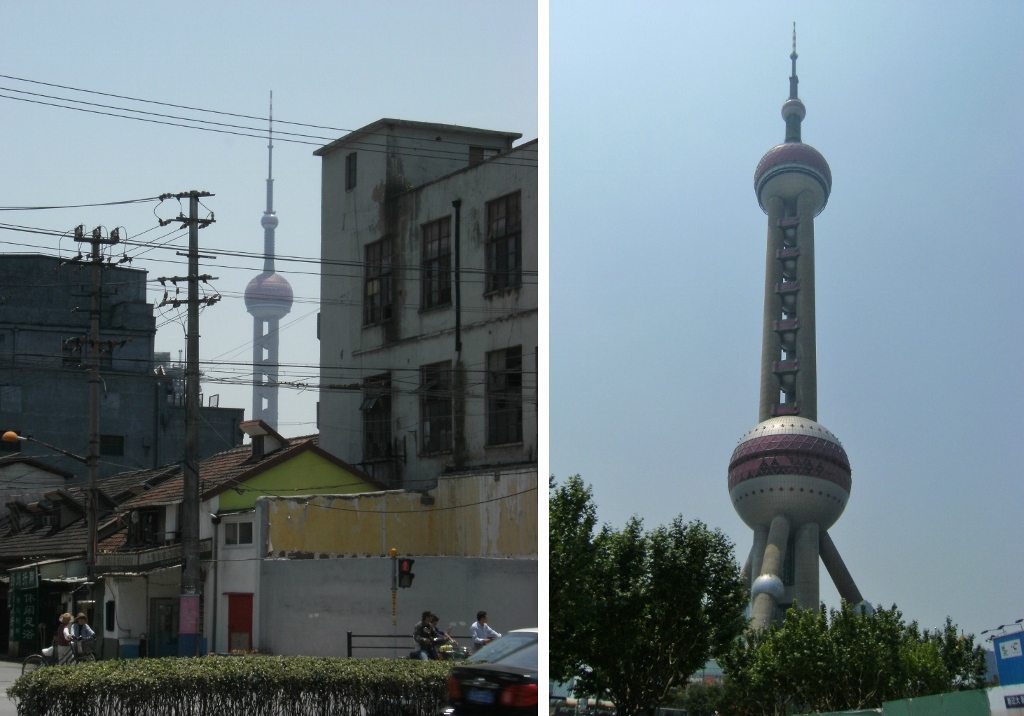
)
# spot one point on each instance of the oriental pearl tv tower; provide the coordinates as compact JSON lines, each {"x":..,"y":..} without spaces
{"x":268,"y":297}
{"x":789,"y":477}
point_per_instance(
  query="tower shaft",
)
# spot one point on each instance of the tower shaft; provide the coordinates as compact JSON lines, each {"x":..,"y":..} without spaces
{"x":789,"y":373}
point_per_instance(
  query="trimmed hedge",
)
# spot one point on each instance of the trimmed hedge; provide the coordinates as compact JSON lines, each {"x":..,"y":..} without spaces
{"x":251,"y":685}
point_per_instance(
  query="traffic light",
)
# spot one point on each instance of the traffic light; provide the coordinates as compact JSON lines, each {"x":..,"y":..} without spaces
{"x":405,"y":575}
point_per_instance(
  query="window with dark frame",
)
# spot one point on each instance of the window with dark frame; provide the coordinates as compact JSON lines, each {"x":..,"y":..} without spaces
{"x":377,"y":282}
{"x":504,"y":243}
{"x":236,"y":533}
{"x":112,"y":445}
{"x":437,"y":263}
{"x":505,"y":396}
{"x":435,"y":393}
{"x":350,"y":171}
{"x":376,"y":410}
{"x":479,"y":155}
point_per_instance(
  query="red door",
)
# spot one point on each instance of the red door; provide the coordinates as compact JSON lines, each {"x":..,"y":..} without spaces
{"x":239,"y":622}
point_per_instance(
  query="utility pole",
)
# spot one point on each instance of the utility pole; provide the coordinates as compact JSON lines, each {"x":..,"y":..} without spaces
{"x":188,"y":614}
{"x":93,"y":342}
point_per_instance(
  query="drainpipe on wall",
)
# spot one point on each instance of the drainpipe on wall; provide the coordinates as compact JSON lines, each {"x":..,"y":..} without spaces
{"x":458,"y":293}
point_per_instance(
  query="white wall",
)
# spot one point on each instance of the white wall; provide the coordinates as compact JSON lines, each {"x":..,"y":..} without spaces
{"x":309,"y":605}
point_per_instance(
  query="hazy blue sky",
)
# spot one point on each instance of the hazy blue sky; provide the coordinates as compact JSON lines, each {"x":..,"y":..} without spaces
{"x":340,"y":64}
{"x":659,"y":114}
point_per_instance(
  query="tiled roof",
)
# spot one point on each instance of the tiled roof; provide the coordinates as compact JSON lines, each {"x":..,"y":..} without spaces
{"x":127,"y":491}
{"x":230,"y":467}
{"x":45,"y":542}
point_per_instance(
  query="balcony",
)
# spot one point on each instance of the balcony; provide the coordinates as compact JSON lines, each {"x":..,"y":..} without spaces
{"x":146,"y":560}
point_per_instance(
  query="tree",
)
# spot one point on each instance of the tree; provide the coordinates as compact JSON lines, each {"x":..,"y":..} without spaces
{"x":843,"y":660}
{"x":634,"y":612}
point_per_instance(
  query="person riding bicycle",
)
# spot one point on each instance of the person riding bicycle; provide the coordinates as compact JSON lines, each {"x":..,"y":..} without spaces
{"x":81,"y":630}
{"x":63,"y":636}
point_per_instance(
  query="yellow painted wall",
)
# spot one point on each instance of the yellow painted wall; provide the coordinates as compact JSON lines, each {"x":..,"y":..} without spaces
{"x":472,"y":516}
{"x":305,"y":474}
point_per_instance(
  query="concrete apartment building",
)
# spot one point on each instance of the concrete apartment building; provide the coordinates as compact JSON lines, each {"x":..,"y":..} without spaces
{"x":44,"y":321}
{"x":428,"y":323}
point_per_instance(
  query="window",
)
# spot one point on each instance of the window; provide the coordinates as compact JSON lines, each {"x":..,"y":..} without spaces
{"x":376,"y":410}
{"x":504,"y":239}
{"x":437,"y":263}
{"x":238,"y":533}
{"x":478,"y":155}
{"x":350,"y":172}
{"x":505,"y":396}
{"x":109,"y":620}
{"x":377,"y":285}
{"x":436,"y":407}
{"x":10,"y":399}
{"x":112,"y":445}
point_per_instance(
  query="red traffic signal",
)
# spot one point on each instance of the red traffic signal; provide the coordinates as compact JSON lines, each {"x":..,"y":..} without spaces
{"x":405,"y":575}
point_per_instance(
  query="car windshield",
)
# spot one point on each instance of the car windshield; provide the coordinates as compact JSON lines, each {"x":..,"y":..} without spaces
{"x":501,"y":650}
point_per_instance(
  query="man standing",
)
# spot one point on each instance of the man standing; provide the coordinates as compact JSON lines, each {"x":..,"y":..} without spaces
{"x":481,"y":631}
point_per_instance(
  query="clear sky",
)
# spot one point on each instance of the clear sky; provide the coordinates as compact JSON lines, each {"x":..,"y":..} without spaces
{"x":659,"y":114}
{"x":338,"y":64}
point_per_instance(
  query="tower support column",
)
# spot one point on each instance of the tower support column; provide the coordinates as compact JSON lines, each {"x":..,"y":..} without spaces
{"x":805,"y":586}
{"x":768,"y":589}
{"x":838,"y":571}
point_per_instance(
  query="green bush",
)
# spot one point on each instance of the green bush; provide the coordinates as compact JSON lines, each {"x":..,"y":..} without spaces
{"x":255,"y":686}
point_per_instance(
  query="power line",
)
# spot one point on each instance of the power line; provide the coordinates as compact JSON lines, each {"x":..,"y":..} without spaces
{"x":182,"y":106}
{"x":366,"y":147}
{"x":79,"y":206}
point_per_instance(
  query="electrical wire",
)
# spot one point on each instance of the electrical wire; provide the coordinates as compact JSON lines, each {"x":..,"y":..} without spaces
{"x":502,"y":158}
{"x":181,"y":106}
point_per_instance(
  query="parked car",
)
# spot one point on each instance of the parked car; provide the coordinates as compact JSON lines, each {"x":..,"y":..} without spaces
{"x":499,"y":679}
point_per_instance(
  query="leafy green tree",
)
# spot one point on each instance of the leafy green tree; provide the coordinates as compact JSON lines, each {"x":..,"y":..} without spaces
{"x":635,"y":612}
{"x":842,"y":660}
{"x":572,"y":518}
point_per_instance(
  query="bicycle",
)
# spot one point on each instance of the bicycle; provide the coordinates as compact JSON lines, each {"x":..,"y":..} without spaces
{"x":79,"y":653}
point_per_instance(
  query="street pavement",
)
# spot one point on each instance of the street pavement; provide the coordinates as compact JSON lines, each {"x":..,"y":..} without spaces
{"x":9,"y":672}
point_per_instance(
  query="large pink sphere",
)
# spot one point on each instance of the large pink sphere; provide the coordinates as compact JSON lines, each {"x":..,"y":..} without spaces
{"x":269,"y":295}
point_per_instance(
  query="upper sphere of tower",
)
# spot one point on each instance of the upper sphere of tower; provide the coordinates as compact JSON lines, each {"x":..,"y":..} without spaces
{"x":269,"y":221}
{"x":789,"y":169}
{"x":268,"y":295}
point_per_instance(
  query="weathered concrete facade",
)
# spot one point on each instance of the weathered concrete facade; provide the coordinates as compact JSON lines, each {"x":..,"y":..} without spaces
{"x":396,"y":313}
{"x":45,"y":395}
{"x":496,"y":516}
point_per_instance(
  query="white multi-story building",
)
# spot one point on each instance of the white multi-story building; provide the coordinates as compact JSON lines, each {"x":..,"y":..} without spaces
{"x":428,"y":324}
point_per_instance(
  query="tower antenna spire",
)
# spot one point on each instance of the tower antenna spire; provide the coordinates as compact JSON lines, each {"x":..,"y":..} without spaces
{"x":270,"y":165}
{"x":792,"y":77}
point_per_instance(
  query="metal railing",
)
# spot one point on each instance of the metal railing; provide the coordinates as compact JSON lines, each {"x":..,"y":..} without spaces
{"x":401,"y":643}
{"x":145,"y":559}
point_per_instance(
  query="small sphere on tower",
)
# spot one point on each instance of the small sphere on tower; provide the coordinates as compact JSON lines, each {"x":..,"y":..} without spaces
{"x":269,"y":220}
